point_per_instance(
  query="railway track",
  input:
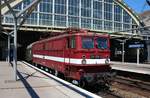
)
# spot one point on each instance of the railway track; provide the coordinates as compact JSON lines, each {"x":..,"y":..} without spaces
{"x":123,"y":87}
{"x":108,"y":94}
{"x":133,"y":82}
{"x":130,"y":88}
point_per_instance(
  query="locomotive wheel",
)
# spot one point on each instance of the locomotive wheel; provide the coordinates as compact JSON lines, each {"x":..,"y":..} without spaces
{"x":42,"y":67}
{"x":34,"y":64}
{"x":56,"y":73}
{"x":68,"y":79}
{"x":52,"y":71}
{"x":61,"y":75}
{"x":46,"y":69}
{"x":82,"y":83}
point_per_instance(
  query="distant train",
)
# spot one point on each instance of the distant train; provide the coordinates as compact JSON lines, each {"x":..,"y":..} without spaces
{"x":78,"y":55}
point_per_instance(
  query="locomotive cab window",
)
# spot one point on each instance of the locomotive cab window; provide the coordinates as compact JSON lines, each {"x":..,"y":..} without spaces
{"x":87,"y":42}
{"x":101,"y":43}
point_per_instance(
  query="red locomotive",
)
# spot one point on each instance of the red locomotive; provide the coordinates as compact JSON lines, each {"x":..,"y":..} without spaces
{"x":76,"y":54}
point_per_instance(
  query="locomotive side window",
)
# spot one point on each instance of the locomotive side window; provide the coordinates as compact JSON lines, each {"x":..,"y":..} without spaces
{"x":102,"y":43}
{"x":71,"y":42}
{"x":87,"y":42}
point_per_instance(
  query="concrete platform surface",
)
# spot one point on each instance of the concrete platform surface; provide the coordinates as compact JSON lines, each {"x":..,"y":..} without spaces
{"x":131,"y":67}
{"x":31,"y":84}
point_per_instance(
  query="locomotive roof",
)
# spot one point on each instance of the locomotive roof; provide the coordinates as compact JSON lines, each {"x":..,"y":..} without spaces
{"x":73,"y":33}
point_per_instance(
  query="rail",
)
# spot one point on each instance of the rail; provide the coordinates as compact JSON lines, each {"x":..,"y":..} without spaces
{"x":133,"y":82}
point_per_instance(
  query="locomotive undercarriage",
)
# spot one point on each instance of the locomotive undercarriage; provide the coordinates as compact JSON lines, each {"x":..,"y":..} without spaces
{"x":101,"y":80}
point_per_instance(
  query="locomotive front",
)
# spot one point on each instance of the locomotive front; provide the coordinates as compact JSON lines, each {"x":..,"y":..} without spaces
{"x":89,"y":59}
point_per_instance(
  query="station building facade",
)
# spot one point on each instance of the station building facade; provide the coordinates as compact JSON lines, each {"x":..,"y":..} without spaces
{"x":101,"y":16}
{"x":96,"y":15}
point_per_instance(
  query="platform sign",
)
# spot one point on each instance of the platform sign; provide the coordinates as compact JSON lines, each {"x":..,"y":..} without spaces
{"x":136,"y":46}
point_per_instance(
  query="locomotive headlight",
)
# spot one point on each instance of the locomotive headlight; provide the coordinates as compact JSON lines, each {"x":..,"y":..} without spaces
{"x":107,"y":61}
{"x":83,"y":61}
{"x":83,"y":56}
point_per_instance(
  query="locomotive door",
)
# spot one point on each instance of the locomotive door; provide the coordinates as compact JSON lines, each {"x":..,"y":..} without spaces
{"x":69,"y":52}
{"x":72,"y":47}
{"x":67,"y":56}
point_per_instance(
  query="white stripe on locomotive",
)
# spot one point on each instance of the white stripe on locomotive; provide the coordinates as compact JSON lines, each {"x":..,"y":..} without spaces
{"x":72,"y":60}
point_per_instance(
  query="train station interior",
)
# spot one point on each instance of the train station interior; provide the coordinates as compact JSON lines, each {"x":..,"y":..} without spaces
{"x":99,"y":16}
{"x":74,"y":49}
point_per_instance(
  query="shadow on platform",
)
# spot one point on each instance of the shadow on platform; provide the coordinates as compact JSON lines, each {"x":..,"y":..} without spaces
{"x":29,"y":88}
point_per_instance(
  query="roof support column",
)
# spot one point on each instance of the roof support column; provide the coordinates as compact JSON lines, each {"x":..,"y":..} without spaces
{"x":103,"y":15}
{"x":15,"y":40}
{"x":67,"y":7}
{"x":0,"y":18}
{"x":15,"y":49}
{"x":92,"y":15}
{"x":8,"y":50}
{"x":113,"y":15}
{"x":22,"y":14}
{"x":53,"y":14}
{"x":123,"y":52}
{"x":79,"y":13}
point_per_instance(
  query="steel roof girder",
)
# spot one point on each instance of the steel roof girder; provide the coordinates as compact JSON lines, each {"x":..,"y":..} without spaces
{"x":10,"y":8}
{"x":28,"y":8}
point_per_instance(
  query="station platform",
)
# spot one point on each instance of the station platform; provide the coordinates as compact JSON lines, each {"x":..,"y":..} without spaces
{"x":31,"y":84}
{"x":131,"y":67}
